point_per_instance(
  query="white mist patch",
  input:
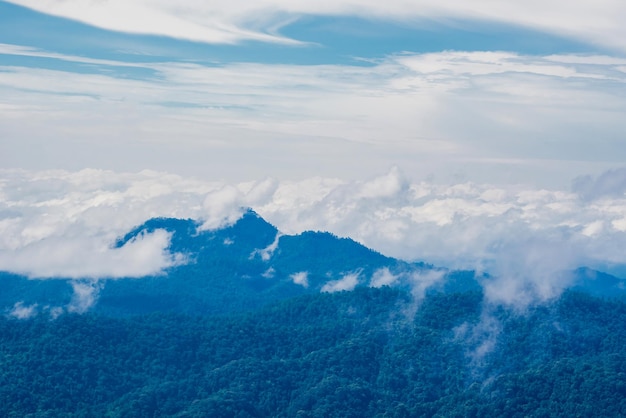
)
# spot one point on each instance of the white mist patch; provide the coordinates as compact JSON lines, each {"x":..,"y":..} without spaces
{"x":383,"y":277}
{"x":80,"y":257}
{"x":223,"y":207}
{"x":85,"y":295}
{"x":347,"y":283}
{"x":301,"y":278}
{"x":480,"y":339}
{"x":55,"y":312}
{"x":22,"y":311}
{"x":530,"y":271}
{"x":266,"y":253}
{"x":421,"y":280}
{"x":269,"y":273}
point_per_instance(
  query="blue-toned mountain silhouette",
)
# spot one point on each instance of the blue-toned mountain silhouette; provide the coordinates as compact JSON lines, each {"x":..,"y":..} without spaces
{"x":237,"y":331}
{"x":246,"y":265}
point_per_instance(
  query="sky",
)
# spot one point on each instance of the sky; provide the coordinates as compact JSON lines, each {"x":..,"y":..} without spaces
{"x":479,"y":134}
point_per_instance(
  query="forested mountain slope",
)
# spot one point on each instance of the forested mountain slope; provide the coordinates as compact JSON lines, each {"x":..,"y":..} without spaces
{"x":236,"y":268}
{"x":256,"y":324}
{"x":347,"y":354}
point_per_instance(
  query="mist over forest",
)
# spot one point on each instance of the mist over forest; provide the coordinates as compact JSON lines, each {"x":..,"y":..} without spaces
{"x":280,"y":208}
{"x":249,"y":322}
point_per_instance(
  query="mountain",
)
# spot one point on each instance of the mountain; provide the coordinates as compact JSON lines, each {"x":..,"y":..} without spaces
{"x":242,"y":267}
{"x":254,"y":325}
{"x":344,"y":354}
{"x":236,"y":268}
{"x":249,"y":264}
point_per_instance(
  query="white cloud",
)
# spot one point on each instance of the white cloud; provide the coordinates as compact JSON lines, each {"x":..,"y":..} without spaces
{"x":527,"y":118}
{"x":269,"y":273}
{"x":593,"y":228}
{"x":472,"y":123}
{"x":480,"y":338}
{"x":386,"y":186}
{"x":85,"y":295}
{"x":267,"y":252}
{"x":189,"y":22}
{"x":347,"y":282}
{"x":21,"y":311}
{"x":74,"y":257}
{"x":301,"y":278}
{"x":62,"y":224}
{"x":220,"y":21}
{"x":55,"y":311}
{"x":383,"y":277}
{"x":223,"y":206}
{"x":611,"y":183}
{"x":421,"y":280}
{"x":528,"y":271}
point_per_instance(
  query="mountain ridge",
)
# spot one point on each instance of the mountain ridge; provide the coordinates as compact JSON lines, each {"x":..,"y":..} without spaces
{"x":250,"y":263}
{"x":233,"y":332}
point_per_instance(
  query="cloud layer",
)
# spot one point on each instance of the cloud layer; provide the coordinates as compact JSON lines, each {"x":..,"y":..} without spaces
{"x":59,"y":223}
{"x":218,"y":21}
{"x":482,"y":116}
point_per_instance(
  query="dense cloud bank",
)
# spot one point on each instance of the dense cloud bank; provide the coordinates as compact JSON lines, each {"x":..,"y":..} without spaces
{"x":59,"y":223}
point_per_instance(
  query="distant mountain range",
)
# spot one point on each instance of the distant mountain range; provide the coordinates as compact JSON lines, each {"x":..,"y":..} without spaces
{"x":246,"y":265}
{"x":256,"y":324}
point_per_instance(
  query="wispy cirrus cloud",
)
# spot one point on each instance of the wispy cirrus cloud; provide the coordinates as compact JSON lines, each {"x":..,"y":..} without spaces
{"x":219,"y":21}
{"x":467,"y":113}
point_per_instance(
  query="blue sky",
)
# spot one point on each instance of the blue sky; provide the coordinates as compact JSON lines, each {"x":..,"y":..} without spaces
{"x":439,"y":130}
{"x":329,"y":40}
{"x":484,"y":92}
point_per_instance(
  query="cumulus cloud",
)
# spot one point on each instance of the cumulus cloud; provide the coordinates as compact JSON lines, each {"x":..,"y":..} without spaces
{"x":347,"y":282}
{"x":76,"y":258}
{"x":62,"y":224}
{"x":386,"y":186}
{"x":223,"y":206}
